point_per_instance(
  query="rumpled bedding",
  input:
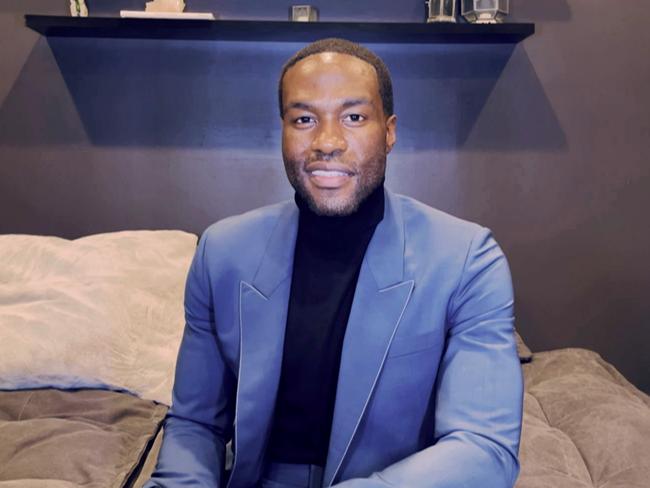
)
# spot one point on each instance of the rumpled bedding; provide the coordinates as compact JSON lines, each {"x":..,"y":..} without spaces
{"x":70,"y":439}
{"x":103,"y":311}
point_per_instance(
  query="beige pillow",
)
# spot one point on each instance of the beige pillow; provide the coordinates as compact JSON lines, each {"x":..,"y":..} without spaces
{"x":101,"y":311}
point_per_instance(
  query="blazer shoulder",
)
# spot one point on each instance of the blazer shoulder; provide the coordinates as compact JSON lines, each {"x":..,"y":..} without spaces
{"x":246,"y":233}
{"x":431,"y":225}
{"x":440,"y":247}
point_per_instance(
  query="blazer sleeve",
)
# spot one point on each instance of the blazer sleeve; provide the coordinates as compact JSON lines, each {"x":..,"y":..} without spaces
{"x":199,"y":423}
{"x":479,"y":391}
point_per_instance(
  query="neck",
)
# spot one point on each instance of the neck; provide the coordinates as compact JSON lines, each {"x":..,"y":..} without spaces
{"x":337,"y":231}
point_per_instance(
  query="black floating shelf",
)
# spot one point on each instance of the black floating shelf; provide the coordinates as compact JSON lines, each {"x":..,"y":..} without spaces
{"x":257,"y":30}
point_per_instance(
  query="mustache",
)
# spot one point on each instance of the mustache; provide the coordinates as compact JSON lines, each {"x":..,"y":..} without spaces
{"x":324,"y":158}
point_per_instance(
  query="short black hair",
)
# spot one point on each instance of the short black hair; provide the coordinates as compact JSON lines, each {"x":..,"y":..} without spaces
{"x":343,"y":46}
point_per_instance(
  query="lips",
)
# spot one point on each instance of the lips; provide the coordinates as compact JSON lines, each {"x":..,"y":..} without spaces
{"x":329,"y":175}
{"x":329,"y":168}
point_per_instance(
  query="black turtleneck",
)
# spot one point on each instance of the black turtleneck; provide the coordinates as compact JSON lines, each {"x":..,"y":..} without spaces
{"x":327,"y":260}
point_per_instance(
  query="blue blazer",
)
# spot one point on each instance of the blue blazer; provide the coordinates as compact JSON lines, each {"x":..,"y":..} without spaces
{"x":430,"y":388}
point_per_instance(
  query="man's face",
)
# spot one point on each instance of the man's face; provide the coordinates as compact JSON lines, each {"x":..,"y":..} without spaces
{"x":335,"y":135}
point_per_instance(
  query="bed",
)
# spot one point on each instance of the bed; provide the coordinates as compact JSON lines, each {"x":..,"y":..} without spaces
{"x":89,"y":330}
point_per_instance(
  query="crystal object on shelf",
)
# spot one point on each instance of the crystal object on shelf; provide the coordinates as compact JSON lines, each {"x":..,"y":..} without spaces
{"x":303,"y":13}
{"x":485,"y":11}
{"x":441,"y":10}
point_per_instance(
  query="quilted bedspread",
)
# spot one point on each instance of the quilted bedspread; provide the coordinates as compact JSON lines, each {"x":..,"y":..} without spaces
{"x":585,"y":425}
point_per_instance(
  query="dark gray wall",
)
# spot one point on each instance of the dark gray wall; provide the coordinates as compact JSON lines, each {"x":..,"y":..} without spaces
{"x":546,"y":143}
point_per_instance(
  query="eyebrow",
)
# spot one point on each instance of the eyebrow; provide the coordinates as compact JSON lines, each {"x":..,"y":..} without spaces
{"x":352,"y":102}
{"x":356,"y":101}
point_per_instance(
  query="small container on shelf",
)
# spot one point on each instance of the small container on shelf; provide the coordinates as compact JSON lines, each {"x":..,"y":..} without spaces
{"x":303,"y":13}
{"x":441,"y":10}
{"x":485,"y":11}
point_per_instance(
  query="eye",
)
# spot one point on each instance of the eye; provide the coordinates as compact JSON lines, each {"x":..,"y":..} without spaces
{"x":354,"y":118}
{"x":303,"y":120}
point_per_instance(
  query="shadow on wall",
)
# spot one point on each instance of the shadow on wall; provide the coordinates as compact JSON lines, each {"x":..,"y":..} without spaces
{"x":110,"y":92}
{"x":484,"y":97}
{"x":143,"y":93}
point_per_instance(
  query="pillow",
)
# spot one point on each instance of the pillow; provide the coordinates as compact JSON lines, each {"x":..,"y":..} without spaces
{"x":103,"y":311}
{"x":73,"y":439}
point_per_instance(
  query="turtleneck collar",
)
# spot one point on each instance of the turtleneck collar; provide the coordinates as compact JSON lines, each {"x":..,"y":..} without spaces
{"x":337,"y":231}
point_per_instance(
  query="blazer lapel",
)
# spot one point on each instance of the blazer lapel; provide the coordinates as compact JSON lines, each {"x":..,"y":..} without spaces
{"x":380,"y":299}
{"x":263,"y":315}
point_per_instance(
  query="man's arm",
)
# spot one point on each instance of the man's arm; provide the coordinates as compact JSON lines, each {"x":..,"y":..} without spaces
{"x":199,"y":423}
{"x":479,"y":388}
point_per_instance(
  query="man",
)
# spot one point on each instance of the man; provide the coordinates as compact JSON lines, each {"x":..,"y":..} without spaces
{"x":354,"y":338}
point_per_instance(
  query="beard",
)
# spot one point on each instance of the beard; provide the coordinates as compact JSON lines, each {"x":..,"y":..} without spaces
{"x":368,"y":176}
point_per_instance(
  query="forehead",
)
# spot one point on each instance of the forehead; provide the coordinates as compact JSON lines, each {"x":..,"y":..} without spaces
{"x":330,"y":74}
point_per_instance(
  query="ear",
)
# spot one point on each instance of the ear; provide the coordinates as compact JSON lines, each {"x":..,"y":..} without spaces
{"x":391,"y":132}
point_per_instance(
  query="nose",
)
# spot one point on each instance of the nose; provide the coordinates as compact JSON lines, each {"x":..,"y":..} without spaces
{"x":329,"y":138}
